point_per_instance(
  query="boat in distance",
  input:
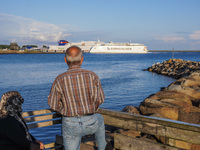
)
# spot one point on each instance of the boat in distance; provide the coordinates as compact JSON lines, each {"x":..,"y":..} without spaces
{"x":119,"y":48}
{"x":99,"y":47}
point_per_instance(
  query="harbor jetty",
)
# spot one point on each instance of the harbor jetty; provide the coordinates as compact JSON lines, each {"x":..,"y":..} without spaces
{"x":166,"y":120}
{"x":175,"y":68}
{"x":179,"y":101}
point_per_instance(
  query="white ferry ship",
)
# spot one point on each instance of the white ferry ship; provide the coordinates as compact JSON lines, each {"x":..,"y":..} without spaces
{"x":63,"y":45}
{"x":99,"y":47}
{"x":119,"y":48}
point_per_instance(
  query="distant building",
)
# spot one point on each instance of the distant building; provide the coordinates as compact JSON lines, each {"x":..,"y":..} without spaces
{"x":14,"y":46}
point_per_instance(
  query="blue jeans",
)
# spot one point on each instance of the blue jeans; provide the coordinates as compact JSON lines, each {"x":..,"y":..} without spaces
{"x":73,"y":128}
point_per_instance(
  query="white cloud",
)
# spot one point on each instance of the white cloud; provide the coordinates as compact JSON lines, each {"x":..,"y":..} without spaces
{"x":170,"y":38}
{"x":195,"y":35}
{"x":28,"y":31}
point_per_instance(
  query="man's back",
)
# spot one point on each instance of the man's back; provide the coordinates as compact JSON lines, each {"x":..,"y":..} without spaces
{"x":77,"y":92}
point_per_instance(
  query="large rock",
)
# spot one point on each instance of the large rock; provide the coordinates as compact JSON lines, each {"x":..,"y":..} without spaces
{"x":188,"y":86}
{"x":131,"y":109}
{"x":171,"y":113}
{"x":193,"y":81}
{"x":158,"y":116}
{"x":152,"y":103}
{"x":179,"y":101}
{"x":179,"y":104}
{"x":174,"y":95}
{"x":195,"y":93}
{"x":191,"y":117}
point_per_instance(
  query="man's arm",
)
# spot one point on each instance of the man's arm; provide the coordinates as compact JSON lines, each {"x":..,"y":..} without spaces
{"x":101,"y":95}
{"x":55,"y":97}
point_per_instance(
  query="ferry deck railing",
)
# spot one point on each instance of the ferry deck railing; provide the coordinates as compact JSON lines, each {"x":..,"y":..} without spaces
{"x":177,"y":135}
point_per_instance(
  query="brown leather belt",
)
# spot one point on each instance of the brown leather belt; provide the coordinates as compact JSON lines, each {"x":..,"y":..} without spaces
{"x":83,"y":115}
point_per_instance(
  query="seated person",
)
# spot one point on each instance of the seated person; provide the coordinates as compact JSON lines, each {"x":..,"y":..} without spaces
{"x":14,"y":134}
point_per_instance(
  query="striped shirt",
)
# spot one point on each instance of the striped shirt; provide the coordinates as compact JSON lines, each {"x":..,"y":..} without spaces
{"x":76,"y":92}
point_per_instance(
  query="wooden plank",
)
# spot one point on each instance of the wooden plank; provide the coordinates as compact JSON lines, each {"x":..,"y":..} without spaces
{"x":43,"y":124}
{"x":183,"y":135}
{"x":52,"y":146}
{"x":170,"y":132}
{"x":37,"y":112}
{"x":49,"y":145}
{"x":124,"y":142}
{"x":181,"y":144}
{"x":42,"y":118}
{"x":87,"y":147}
{"x":176,"y":130}
{"x":120,"y":122}
{"x":160,"y":121}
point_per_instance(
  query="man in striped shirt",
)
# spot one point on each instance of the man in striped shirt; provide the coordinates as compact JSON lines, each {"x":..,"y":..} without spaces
{"x":77,"y":94}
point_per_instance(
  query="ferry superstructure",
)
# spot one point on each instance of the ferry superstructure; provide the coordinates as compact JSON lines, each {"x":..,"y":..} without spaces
{"x":99,"y":47}
{"x":63,"y":45}
{"x":119,"y":48}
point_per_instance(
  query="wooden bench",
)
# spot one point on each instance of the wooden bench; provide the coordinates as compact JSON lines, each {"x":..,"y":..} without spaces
{"x":42,"y":118}
{"x":178,"y":135}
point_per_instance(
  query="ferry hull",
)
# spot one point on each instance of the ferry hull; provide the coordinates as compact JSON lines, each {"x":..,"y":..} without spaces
{"x":119,"y":49}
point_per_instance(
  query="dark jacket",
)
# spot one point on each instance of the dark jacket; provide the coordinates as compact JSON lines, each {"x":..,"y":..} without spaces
{"x":13,"y":135}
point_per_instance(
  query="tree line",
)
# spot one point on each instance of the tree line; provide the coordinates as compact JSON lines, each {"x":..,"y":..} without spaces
{"x":15,"y":46}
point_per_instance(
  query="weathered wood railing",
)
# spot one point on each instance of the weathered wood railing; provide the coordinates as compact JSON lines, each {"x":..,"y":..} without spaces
{"x":42,"y":118}
{"x":174,"y":132}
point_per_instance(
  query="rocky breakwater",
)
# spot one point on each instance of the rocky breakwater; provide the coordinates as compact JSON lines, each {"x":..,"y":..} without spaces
{"x":175,"y":68}
{"x":179,"y":101}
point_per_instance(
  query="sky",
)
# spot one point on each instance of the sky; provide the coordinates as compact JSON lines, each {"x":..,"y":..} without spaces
{"x":158,"y":24}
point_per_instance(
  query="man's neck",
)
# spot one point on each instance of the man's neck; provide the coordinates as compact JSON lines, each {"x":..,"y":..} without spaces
{"x":74,"y":66}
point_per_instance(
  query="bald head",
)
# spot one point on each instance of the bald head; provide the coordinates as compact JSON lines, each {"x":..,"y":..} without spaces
{"x":73,"y":55}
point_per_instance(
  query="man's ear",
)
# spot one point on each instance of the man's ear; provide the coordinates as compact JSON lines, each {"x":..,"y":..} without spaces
{"x":82,"y":59}
{"x":65,"y":60}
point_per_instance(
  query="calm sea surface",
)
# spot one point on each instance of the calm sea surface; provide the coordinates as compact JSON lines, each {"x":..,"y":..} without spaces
{"x":121,"y":75}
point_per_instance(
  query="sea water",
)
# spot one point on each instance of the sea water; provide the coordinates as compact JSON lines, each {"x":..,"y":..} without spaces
{"x":122,"y":77}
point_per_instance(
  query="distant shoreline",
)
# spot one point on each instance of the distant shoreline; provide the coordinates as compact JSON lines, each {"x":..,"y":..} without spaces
{"x":27,"y":52}
{"x":39,"y":52}
{"x":173,"y":50}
